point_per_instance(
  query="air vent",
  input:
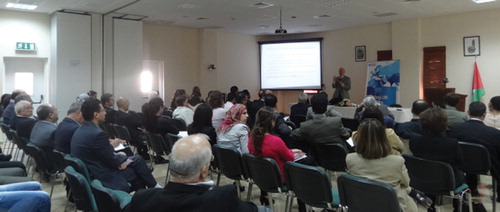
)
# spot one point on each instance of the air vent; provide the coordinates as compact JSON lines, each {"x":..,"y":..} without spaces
{"x":381,"y":15}
{"x":321,"y":16}
{"x":202,"y":18}
{"x":334,"y":3}
{"x":262,"y":5}
{"x":188,"y":6}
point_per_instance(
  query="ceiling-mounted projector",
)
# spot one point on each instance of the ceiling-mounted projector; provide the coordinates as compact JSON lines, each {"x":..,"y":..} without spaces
{"x":280,"y":30}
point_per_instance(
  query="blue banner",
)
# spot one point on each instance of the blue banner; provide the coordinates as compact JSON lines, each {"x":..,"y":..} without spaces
{"x":383,"y":81}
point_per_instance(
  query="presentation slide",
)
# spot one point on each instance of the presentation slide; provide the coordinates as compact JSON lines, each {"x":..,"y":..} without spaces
{"x":290,"y":65}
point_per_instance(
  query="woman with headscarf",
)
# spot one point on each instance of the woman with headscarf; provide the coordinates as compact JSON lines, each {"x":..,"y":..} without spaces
{"x":233,"y":131}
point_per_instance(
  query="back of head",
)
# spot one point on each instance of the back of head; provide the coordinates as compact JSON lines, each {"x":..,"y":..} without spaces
{"x":234,"y":89}
{"x":92,"y":94}
{"x":374,"y":113}
{"x":370,"y":101}
{"x":179,"y":92}
{"x":230,"y":97}
{"x":302,"y":97}
{"x":247,"y":93}
{"x":434,"y":120}
{"x":451,"y":99}
{"x":82,"y":97}
{"x":418,"y":106}
{"x":371,"y":139}
{"x":75,"y":106}
{"x":189,"y":155}
{"x":22,"y":96}
{"x":90,"y":107}
{"x":5,"y":100}
{"x":263,"y":124}
{"x":21,"y":105}
{"x":495,"y":103}
{"x":196,"y":91}
{"x":152,"y":107}
{"x":106,"y":97}
{"x":122,"y":103}
{"x":180,"y":100}
{"x":477,"y":109}
{"x":203,"y":116}
{"x":215,"y":99}
{"x":240,"y":97}
{"x":44,"y":111}
{"x":15,"y":93}
{"x":270,"y":100}
{"x":319,"y":103}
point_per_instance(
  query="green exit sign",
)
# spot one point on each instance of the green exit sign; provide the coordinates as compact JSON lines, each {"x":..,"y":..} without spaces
{"x":25,"y":46}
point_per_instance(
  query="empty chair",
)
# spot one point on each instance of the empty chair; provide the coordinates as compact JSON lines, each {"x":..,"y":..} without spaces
{"x":331,"y":156}
{"x":78,"y":165}
{"x":361,"y":195}
{"x":108,"y":199}
{"x":122,"y":132}
{"x":6,"y":131}
{"x":81,"y":191}
{"x":435,"y":178}
{"x":265,"y":173}
{"x":159,"y":146}
{"x":311,"y":185}
{"x":15,"y":144}
{"x":230,"y":164}
{"x":44,"y":165}
{"x":108,"y":128}
{"x":20,"y":142}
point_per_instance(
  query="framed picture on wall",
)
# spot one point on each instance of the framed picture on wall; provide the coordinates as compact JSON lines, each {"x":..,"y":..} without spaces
{"x":360,"y":53}
{"x":472,"y":46}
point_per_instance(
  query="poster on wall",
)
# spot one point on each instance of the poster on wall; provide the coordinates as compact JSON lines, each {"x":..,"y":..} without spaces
{"x":382,"y":81}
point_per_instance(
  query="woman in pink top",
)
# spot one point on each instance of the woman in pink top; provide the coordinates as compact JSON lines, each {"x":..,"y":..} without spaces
{"x":263,"y":144}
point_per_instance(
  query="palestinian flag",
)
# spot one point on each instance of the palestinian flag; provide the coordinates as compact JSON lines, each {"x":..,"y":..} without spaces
{"x":477,"y":85}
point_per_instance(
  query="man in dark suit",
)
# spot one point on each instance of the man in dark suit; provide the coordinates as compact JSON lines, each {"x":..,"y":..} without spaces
{"x":108,"y":100}
{"x":253,"y":107}
{"x":321,"y":129}
{"x":24,"y":120}
{"x":474,"y":131}
{"x":412,"y":128}
{"x":298,"y":111}
{"x":187,"y":189}
{"x":65,"y":130}
{"x":91,"y":144}
{"x":132,"y":121}
{"x":42,"y":134}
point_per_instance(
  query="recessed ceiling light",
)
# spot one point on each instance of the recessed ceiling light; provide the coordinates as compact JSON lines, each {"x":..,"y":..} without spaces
{"x":482,"y":1}
{"x":21,"y":6}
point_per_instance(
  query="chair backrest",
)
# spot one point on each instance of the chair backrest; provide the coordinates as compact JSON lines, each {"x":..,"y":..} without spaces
{"x":122,"y":132}
{"x":264,"y":172}
{"x":331,"y":156}
{"x":21,"y":141}
{"x":476,"y":158}
{"x":229,"y":161}
{"x":108,"y":128}
{"x":5,"y":129}
{"x":361,"y":195}
{"x":430,"y":177}
{"x":350,"y":123}
{"x":171,"y":139}
{"x":78,"y":165}
{"x":108,"y":199}
{"x":310,"y":184}
{"x":297,"y":119}
{"x":80,"y":189}
{"x":13,"y":136}
{"x":291,"y":125}
{"x":58,"y":157}
{"x":41,"y":159}
{"x":157,"y":142}
{"x":180,"y":124}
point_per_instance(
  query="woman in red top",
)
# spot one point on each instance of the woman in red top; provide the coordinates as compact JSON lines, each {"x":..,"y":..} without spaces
{"x":263,"y":144}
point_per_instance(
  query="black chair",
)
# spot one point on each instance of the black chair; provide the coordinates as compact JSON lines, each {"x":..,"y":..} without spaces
{"x":330,"y":156}
{"x":180,"y":124}
{"x":159,"y":146}
{"x":44,"y":165}
{"x":361,"y":195}
{"x":171,"y":139}
{"x":15,"y":144}
{"x":435,"y":178}
{"x":20,"y":142}
{"x":351,"y":124}
{"x":230,"y":164}
{"x":80,"y":188}
{"x":108,"y":199}
{"x":265,"y":173}
{"x":122,"y":132}
{"x":297,"y":119}
{"x":477,"y":161}
{"x":78,"y":165}
{"x":108,"y":128}
{"x":311,"y":185}
{"x":5,"y":129}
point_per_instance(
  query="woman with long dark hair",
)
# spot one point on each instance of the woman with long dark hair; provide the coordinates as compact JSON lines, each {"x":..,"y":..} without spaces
{"x":202,"y":123}
{"x":216,"y":101}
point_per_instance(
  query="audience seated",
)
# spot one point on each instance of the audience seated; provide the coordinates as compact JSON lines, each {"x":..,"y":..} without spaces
{"x":373,"y":160}
{"x":371,"y":101}
{"x":492,"y":118}
{"x":300,"y":109}
{"x":454,"y":116}
{"x":230,"y":101}
{"x":188,"y":191}
{"x":132,"y":121}
{"x":412,"y":128}
{"x":65,"y":130}
{"x":10,"y":113}
{"x":156,"y":123}
{"x":374,"y":113}
{"x":280,"y":127}
{"x":321,"y":129}
{"x":195,"y":97}
{"x":178,"y":92}
{"x":25,"y":196}
{"x":218,"y":112}
{"x":202,"y":123}
{"x":24,"y":121}
{"x":475,"y":131}
{"x":183,"y":110}
{"x":108,"y":101}
{"x":234,"y":131}
{"x":4,"y":102}
{"x":330,"y":111}
{"x":91,"y":144}
{"x":255,"y":106}
{"x":42,"y":134}
{"x":241,"y":98}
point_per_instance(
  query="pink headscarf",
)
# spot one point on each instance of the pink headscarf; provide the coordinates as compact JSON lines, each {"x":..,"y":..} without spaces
{"x":233,"y":116}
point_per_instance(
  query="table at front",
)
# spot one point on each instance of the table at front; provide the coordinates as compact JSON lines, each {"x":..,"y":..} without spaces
{"x":400,"y":114}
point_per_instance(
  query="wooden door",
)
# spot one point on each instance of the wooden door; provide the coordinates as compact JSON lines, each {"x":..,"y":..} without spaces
{"x":434,"y":67}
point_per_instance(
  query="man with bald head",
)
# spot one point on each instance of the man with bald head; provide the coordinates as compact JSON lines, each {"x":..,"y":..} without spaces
{"x":342,"y":85}
{"x":187,"y":189}
{"x":132,"y":121}
{"x":67,"y":127}
{"x":412,"y":128}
